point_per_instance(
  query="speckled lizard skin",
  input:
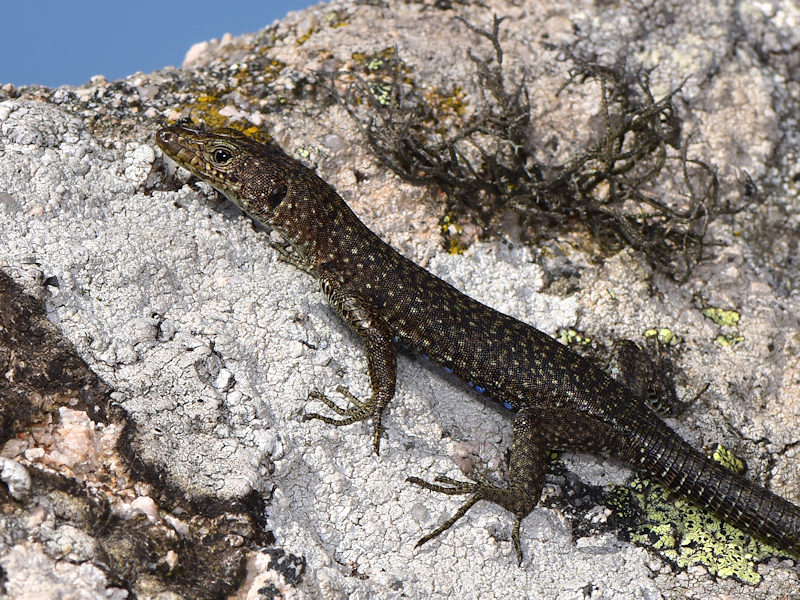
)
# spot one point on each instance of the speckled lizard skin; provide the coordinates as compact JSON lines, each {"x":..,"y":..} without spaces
{"x":560,"y":400}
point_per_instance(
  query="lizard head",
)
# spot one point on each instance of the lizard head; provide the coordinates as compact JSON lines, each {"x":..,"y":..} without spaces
{"x":253,"y":175}
{"x":263,"y":181}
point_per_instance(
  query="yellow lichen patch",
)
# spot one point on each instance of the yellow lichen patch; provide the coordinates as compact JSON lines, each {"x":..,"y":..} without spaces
{"x":664,"y":336}
{"x":207,"y":109}
{"x":269,"y":72}
{"x":720,"y":316}
{"x":571,"y":336}
{"x":452,"y":233}
{"x":242,"y":75}
{"x":304,"y":37}
{"x":447,"y":104}
{"x":688,"y":535}
{"x":335,"y":19}
{"x":455,"y":247}
{"x":445,"y":108}
{"x":728,"y":339}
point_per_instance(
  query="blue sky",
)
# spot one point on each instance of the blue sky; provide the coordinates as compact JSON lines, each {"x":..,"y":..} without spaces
{"x":56,"y":42}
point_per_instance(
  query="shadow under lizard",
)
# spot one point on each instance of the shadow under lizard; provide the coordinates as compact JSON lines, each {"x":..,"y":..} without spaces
{"x":561,"y":401}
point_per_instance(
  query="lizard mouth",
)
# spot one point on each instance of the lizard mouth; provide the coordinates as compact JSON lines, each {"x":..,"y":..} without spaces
{"x":178,"y":143}
{"x":174,"y":142}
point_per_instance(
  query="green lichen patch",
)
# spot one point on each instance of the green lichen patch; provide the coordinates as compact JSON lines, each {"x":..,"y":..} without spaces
{"x":728,"y":459}
{"x":375,"y":82}
{"x":382,"y":92}
{"x":724,"y":318}
{"x":376,"y":61}
{"x":570,"y":337}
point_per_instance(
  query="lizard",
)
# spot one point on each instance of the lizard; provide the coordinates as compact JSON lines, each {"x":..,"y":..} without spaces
{"x":560,"y":400}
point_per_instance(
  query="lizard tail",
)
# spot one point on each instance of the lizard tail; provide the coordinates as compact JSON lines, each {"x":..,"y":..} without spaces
{"x":736,"y":500}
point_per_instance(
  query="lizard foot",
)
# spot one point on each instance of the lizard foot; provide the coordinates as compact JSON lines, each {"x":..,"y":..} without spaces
{"x":505,"y":497}
{"x":357,"y":411}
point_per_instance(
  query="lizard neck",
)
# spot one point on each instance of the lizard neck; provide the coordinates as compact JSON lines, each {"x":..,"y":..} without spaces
{"x":321,"y":228}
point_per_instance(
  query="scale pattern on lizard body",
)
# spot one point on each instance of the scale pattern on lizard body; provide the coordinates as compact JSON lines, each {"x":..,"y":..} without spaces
{"x":561,"y":400}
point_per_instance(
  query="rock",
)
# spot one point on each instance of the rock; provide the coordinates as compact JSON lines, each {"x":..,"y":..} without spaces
{"x":155,"y":356}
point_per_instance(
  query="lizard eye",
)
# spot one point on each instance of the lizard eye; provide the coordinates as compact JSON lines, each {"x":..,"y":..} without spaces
{"x":221,"y":156}
{"x":277,"y":195}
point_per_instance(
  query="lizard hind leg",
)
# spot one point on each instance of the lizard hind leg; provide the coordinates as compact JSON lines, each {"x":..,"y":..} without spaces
{"x":647,"y":379}
{"x":536,"y":432}
{"x":527,"y":466}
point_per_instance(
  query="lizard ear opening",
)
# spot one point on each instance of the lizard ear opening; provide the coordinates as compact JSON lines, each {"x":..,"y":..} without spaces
{"x":276,"y":195}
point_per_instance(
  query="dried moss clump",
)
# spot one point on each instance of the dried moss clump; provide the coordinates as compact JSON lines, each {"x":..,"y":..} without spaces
{"x":484,"y":160}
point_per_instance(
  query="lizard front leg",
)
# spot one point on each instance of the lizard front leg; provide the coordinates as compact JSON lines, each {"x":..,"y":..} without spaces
{"x":381,"y":366}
